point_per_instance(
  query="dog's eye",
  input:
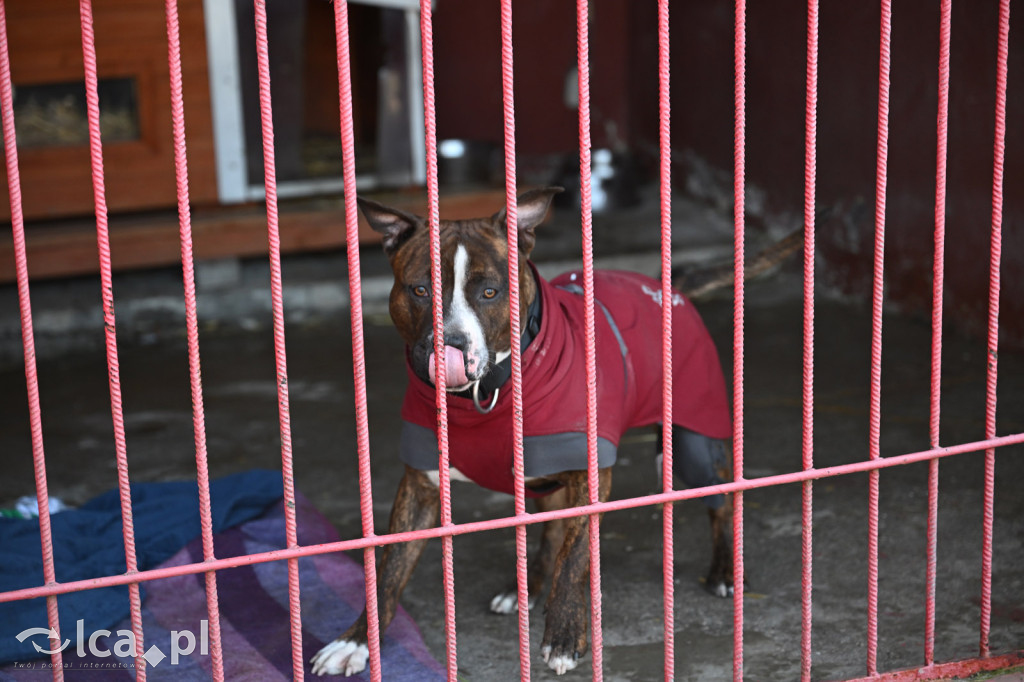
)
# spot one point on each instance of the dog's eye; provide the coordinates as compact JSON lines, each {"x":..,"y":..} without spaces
{"x":490,"y":293}
{"x":421,"y":291}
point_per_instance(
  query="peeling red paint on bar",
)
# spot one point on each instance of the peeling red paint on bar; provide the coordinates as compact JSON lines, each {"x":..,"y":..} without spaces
{"x":739,"y":222}
{"x":807,"y":445}
{"x":277,"y":307}
{"x":948,"y":671}
{"x":877,"y":297}
{"x":515,"y":328}
{"x":938,"y":279}
{"x":433,"y":222}
{"x":341,"y":34}
{"x":665,"y":195}
{"x":992,"y":354}
{"x":192,"y":331}
{"x":586,"y":218}
{"x":35,"y":414}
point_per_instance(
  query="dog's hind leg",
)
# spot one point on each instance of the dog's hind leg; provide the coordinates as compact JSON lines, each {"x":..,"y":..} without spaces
{"x":702,"y":461}
{"x":416,"y":507}
{"x":552,"y":536}
{"x":565,"y":625}
{"x":719,"y":581}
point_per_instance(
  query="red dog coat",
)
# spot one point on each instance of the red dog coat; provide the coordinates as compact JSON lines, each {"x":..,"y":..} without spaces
{"x":629,"y":385}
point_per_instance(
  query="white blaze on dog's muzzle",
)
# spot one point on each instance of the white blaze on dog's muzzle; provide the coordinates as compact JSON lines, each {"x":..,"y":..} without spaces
{"x":461,"y":321}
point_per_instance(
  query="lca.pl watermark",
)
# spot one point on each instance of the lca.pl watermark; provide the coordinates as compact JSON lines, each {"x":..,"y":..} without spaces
{"x":183,"y":643}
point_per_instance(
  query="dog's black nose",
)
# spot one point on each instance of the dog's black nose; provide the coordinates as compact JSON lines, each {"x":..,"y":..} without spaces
{"x":456,"y":340}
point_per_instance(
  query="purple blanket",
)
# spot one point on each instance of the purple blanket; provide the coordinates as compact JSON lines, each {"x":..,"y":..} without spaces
{"x":253,"y":616}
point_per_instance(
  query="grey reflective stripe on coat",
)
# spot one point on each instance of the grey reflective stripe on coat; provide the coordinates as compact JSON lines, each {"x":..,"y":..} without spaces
{"x":542,"y":455}
{"x":578,"y":290}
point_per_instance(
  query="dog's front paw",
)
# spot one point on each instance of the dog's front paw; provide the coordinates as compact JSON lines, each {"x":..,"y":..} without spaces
{"x":719,"y":580}
{"x":719,"y":588}
{"x":341,"y":657}
{"x":561,"y":663}
{"x":507,"y":601}
{"x":563,"y":650}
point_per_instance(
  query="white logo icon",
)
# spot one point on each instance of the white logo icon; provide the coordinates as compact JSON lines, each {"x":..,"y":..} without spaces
{"x":51,"y":633}
{"x":655,"y":295}
{"x":183,"y":643}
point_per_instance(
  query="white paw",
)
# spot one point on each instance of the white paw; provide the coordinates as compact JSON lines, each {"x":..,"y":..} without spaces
{"x":721,"y":590}
{"x":508,"y":602}
{"x":560,"y":664}
{"x":341,"y":657}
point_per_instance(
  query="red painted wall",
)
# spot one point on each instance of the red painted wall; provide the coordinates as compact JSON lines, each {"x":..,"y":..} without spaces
{"x":467,"y":48}
{"x":847,"y":133}
{"x":624,"y":83}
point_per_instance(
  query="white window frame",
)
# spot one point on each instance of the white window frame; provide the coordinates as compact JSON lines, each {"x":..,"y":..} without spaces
{"x":229,"y":126}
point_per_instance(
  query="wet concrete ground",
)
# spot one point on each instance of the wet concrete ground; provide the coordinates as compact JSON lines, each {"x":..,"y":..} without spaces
{"x":243,"y":432}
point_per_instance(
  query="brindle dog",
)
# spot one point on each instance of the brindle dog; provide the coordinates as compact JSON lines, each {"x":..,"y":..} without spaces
{"x":474,"y":263}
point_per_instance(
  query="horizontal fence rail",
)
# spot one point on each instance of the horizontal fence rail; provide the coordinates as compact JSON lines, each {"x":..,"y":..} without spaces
{"x":529,"y":518}
{"x":521,"y":519}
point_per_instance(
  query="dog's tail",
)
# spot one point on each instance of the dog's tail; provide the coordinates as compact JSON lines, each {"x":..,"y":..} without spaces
{"x":697,"y":283}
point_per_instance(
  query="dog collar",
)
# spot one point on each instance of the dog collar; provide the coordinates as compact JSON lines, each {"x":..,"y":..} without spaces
{"x":500,"y":373}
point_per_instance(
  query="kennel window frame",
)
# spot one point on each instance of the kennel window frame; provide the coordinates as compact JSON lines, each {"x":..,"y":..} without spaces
{"x":230,"y":152}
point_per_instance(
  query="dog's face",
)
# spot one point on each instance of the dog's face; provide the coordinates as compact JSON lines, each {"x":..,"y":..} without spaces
{"x":474,"y":284}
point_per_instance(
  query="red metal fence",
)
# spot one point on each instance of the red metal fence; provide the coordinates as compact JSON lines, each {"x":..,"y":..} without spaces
{"x":806,"y":476}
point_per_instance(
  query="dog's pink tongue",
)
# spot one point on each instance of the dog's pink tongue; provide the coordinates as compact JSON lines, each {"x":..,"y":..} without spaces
{"x":454,"y":366}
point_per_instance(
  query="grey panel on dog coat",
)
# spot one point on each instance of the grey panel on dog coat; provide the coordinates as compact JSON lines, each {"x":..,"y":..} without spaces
{"x":542,"y":455}
{"x":696,"y":458}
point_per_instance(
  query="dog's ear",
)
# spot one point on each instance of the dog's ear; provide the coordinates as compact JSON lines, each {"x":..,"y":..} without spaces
{"x":531,"y":209}
{"x":395,"y":225}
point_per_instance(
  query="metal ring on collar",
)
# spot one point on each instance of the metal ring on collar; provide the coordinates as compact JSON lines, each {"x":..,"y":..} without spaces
{"x":476,"y":399}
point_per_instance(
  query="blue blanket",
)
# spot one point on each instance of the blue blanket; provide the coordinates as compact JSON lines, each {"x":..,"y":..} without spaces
{"x":88,"y":543}
{"x":253,"y":602}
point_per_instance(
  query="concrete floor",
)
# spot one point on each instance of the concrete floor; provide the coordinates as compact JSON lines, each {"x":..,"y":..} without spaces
{"x":242,"y":422}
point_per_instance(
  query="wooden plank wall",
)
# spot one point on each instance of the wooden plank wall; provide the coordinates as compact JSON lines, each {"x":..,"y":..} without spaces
{"x":131,"y":41}
{"x":152,"y":240}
